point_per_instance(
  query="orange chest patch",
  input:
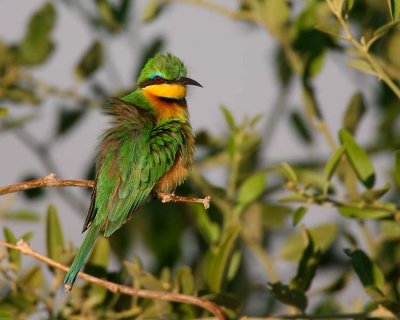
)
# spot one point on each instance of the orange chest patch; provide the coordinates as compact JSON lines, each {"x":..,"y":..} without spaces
{"x":166,"y":109}
{"x":172,"y":178}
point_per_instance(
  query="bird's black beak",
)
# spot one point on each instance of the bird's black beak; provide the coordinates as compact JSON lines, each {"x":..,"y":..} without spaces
{"x":188,"y":81}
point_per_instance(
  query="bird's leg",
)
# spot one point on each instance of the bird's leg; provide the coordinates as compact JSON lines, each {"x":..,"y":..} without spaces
{"x":167,"y":197}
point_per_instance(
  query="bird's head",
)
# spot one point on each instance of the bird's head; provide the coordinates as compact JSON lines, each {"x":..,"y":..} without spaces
{"x":164,"y":76}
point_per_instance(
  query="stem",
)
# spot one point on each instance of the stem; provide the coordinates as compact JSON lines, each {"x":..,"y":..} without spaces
{"x":216,"y":310}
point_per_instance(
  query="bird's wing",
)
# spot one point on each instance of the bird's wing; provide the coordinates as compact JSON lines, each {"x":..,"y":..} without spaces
{"x":132,"y":157}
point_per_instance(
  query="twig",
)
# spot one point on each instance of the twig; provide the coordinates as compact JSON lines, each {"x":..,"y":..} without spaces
{"x":167,"y":197}
{"x":52,"y":181}
{"x":216,"y":310}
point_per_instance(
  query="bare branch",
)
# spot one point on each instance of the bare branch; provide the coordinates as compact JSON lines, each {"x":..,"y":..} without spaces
{"x":216,"y":310}
{"x":52,"y":181}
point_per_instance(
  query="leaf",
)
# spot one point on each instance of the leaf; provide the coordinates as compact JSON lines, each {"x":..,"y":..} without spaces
{"x":68,"y":118}
{"x":276,"y":14}
{"x":307,"y":267}
{"x":286,"y":170}
{"x":33,"y":278}
{"x":36,"y":45}
{"x":287,"y":295}
{"x":274,"y":215}
{"x":359,"y":160}
{"x":230,"y":120}
{"x":228,"y":300}
{"x":394,"y":9}
{"x":368,"y":272}
{"x":331,"y":29}
{"x":375,"y":194}
{"x":5,"y":315}
{"x":299,"y":123}
{"x":184,"y":281}
{"x":100,"y":254}
{"x":54,"y":234}
{"x":381,"y":31}
{"x":390,"y":230}
{"x":209,"y":229}
{"x":298,"y":215}
{"x":152,"y":9}
{"x":91,"y":61}
{"x":322,"y":235}
{"x":24,"y":215}
{"x":14,"y":256}
{"x":397,"y":167}
{"x":234,"y":265}
{"x":354,"y":112}
{"x":363,"y":213}
{"x":363,"y":66}
{"x":251,"y":188}
{"x":349,"y":5}
{"x":217,"y":259}
{"x":332,"y":163}
{"x":108,"y":16}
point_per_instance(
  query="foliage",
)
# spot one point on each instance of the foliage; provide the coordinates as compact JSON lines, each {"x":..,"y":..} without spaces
{"x":257,"y":203}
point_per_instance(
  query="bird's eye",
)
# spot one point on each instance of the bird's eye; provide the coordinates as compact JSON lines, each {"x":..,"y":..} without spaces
{"x":158,"y":79}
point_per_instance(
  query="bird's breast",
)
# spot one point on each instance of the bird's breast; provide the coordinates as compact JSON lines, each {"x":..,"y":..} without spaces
{"x":173,"y":177}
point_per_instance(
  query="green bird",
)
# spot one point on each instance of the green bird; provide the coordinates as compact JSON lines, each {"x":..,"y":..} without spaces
{"x":148,"y":148}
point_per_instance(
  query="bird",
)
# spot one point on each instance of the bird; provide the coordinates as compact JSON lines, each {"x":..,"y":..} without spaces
{"x":148,"y":148}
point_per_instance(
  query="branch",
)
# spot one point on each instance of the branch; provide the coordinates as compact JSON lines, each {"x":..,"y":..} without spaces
{"x":216,"y":310}
{"x":52,"y":181}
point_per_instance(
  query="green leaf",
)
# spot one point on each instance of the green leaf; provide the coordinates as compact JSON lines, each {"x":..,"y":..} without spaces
{"x":397,"y":167}
{"x":298,"y":215}
{"x":24,"y":215}
{"x":184,"y":281}
{"x":228,"y":300}
{"x":100,"y":254}
{"x":14,"y":256}
{"x":251,"y":188}
{"x":33,"y":278}
{"x":287,"y":295}
{"x":368,"y":272}
{"x":54,"y":234}
{"x":217,"y":260}
{"x":322,"y":235}
{"x":230,"y":120}
{"x":302,"y":129}
{"x":5,"y":315}
{"x":152,"y":10}
{"x":390,"y":230}
{"x":274,"y":215}
{"x":234,"y":265}
{"x":359,"y":160}
{"x":349,"y":5}
{"x":36,"y":45}
{"x":330,"y":29}
{"x":91,"y":61}
{"x":276,"y":14}
{"x":363,"y":66}
{"x":209,"y":229}
{"x":394,"y":9}
{"x":354,"y":112}
{"x":363,"y":213}
{"x":286,"y":170}
{"x":307,"y":267}
{"x":68,"y":118}
{"x":375,"y":194}
{"x":381,"y":31}
{"x":108,"y":16}
{"x":332,"y":163}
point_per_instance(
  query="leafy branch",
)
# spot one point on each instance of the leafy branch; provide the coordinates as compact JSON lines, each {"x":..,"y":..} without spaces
{"x":24,"y":248}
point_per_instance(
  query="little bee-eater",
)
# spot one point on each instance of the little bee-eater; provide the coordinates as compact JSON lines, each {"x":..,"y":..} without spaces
{"x":148,"y":148}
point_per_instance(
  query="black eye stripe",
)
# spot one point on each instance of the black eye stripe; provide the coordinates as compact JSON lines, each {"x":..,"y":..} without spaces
{"x":155,"y":80}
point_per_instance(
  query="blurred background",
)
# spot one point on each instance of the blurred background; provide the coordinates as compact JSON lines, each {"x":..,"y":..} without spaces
{"x":279,"y":85}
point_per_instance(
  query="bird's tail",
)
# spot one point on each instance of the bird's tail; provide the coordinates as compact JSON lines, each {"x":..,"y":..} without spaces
{"x":81,"y":256}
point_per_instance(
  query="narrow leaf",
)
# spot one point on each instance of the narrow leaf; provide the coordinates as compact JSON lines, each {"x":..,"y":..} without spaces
{"x":363,"y":213}
{"x":14,"y":256}
{"x":359,"y":160}
{"x":229,"y":118}
{"x":354,"y":113}
{"x":54,"y":235}
{"x":251,"y":188}
{"x":394,"y":9}
{"x":287,"y":295}
{"x":298,"y":215}
{"x":3,"y":112}
{"x":362,"y":66}
{"x":332,"y":163}
{"x":368,"y":272}
{"x":90,"y":61}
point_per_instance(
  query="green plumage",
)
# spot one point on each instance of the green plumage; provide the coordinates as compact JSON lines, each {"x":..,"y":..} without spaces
{"x":135,"y":154}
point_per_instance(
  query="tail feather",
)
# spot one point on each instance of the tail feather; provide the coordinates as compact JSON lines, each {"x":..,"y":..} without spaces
{"x":81,"y":256}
